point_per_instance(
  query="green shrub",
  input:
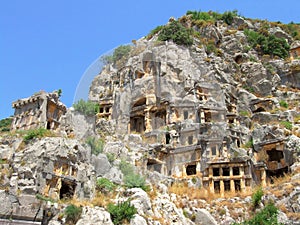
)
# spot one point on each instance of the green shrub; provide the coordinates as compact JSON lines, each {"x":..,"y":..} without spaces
{"x":176,"y":32}
{"x":249,"y":144}
{"x":287,"y":124}
{"x":36,"y":133}
{"x":228,"y":16}
{"x":132,"y":179}
{"x":5,"y":124}
{"x":96,"y":145}
{"x":126,"y":168}
{"x":136,"y":181}
{"x":154,"y":31}
{"x":256,"y":197}
{"x":121,"y":212}
{"x":72,"y":213}
{"x":198,"y":15}
{"x":105,"y":185}
{"x":244,"y":113}
{"x":283,"y":104}
{"x":87,"y":108}
{"x":267,"y":44}
{"x":267,"y":216}
{"x":111,"y":157}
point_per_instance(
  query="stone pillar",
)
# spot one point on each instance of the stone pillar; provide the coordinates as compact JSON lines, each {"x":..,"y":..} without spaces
{"x":222,"y":188}
{"x":198,"y":168}
{"x":263,"y":178}
{"x":242,"y":174}
{"x":232,"y":187}
{"x":128,"y":128}
{"x":211,"y":186}
{"x":183,"y":171}
{"x":148,"y":120}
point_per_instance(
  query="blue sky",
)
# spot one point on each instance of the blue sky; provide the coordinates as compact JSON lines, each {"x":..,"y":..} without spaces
{"x":49,"y":45}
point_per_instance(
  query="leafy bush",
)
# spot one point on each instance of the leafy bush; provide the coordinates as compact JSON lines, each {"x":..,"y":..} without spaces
{"x":132,"y":179}
{"x":87,"y":108}
{"x":176,"y":32}
{"x":228,"y":16}
{"x":121,"y":212}
{"x":119,"y":53}
{"x":135,"y":181}
{"x":111,"y":157}
{"x":105,"y":185}
{"x":5,"y":124}
{"x":287,"y":124}
{"x":283,"y":104}
{"x":249,"y":144}
{"x":36,"y":133}
{"x":96,"y":145}
{"x":198,"y":15}
{"x":126,"y":168}
{"x":268,"y":45}
{"x":154,"y":31}
{"x":72,"y":213}
{"x":267,"y":216}
{"x":256,"y":197}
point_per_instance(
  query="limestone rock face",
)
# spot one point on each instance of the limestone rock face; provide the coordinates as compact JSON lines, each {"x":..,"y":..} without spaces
{"x":204,"y":217}
{"x":94,"y":216}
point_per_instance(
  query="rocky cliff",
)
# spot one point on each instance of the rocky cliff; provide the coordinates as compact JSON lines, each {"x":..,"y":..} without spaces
{"x":190,"y":121}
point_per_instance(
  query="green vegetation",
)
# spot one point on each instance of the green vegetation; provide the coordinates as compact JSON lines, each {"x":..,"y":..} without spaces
{"x":154,"y":31}
{"x":121,"y":212}
{"x":267,"y":44}
{"x":176,"y":32}
{"x":105,"y":185}
{"x":59,"y":92}
{"x":292,"y":29}
{"x":287,"y":124}
{"x":87,"y":108}
{"x":256,"y":197}
{"x":44,"y":198}
{"x":249,"y":144}
{"x":111,"y":157}
{"x":211,"y":17}
{"x":120,"y":53}
{"x":244,"y":113}
{"x":5,"y":124}
{"x":132,"y":179}
{"x":283,"y":104}
{"x":267,"y":216}
{"x":72,"y":213}
{"x":36,"y":133}
{"x":96,"y":145}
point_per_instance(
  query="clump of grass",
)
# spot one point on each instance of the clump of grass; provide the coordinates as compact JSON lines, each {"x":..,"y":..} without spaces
{"x":256,"y":197}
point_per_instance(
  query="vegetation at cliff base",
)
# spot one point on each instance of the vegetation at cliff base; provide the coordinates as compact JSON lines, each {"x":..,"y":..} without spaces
{"x":72,"y":213}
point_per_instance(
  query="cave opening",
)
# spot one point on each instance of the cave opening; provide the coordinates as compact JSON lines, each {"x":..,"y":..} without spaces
{"x":67,"y":189}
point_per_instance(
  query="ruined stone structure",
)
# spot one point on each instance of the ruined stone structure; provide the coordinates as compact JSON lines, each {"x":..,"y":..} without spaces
{"x":40,"y":110}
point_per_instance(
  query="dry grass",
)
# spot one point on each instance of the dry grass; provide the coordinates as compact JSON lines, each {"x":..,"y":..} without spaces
{"x":183,"y":190}
{"x":103,"y":200}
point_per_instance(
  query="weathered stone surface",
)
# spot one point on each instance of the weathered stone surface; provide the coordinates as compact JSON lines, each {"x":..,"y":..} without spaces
{"x":101,"y":164}
{"x":203,"y":217}
{"x":94,"y":216}
{"x":140,"y":200}
{"x":75,"y":124}
{"x":138,"y":220}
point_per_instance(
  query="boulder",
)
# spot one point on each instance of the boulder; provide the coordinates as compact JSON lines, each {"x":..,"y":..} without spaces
{"x":94,"y":216}
{"x":101,"y":164}
{"x":203,"y":217}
